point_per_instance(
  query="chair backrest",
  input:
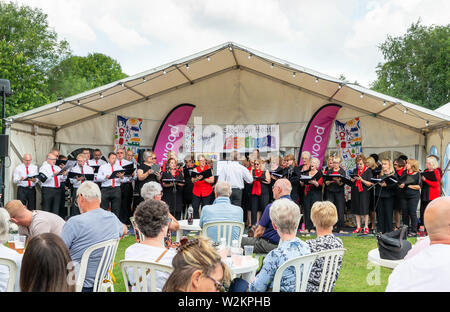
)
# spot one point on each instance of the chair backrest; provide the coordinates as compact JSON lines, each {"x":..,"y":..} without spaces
{"x":330,"y":260}
{"x":107,"y":258}
{"x":302,"y":266}
{"x":224,"y":229}
{"x":136,"y":231}
{"x":12,"y":266}
{"x":143,"y":273}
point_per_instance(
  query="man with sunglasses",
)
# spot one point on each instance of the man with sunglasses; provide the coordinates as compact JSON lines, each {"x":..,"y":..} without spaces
{"x":51,"y":192}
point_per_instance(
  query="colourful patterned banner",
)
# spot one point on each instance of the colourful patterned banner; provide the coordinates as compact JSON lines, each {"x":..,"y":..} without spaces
{"x":128,"y":134}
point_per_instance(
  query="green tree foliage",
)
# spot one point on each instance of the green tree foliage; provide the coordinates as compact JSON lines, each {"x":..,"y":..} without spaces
{"x":77,"y":74}
{"x":416,"y":67}
{"x":28,"y":49}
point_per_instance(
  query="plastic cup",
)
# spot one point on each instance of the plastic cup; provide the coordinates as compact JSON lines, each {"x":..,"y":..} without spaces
{"x":248,"y":250}
{"x":12,"y":239}
{"x":19,"y":243}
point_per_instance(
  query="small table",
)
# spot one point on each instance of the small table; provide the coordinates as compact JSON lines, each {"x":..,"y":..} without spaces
{"x":374,"y":257}
{"x":184,"y":226}
{"x":246,"y":270}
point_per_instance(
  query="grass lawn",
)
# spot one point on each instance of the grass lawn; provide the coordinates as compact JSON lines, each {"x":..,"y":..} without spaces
{"x":354,"y":275}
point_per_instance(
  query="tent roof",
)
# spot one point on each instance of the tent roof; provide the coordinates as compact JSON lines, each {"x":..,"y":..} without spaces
{"x":444,"y":109}
{"x":229,"y":56}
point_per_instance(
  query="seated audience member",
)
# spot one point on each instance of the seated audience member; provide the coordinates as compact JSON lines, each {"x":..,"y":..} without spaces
{"x":418,"y":247}
{"x":285,"y":216}
{"x":428,"y":270}
{"x":265,"y":237}
{"x":33,"y":223}
{"x":197,"y":267}
{"x":45,"y":266}
{"x":7,"y":253}
{"x":92,"y":226}
{"x":152,"y":219}
{"x":153,"y":190}
{"x":221,"y":210}
{"x":324,"y":216}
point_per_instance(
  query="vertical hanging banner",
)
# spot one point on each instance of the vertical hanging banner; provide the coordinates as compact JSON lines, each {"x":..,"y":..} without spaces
{"x":170,"y":134}
{"x":348,"y":142}
{"x":128,"y":134}
{"x":315,"y":139}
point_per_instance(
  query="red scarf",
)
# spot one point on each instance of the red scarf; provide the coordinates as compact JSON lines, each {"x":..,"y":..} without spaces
{"x":400,"y":172}
{"x":256,"y":190}
{"x":358,"y":182}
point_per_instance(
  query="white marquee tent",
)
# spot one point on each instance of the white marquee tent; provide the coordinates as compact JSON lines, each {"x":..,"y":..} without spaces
{"x":229,"y":84}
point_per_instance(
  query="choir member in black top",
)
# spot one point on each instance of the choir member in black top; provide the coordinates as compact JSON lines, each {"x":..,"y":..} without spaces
{"x":373,"y":166}
{"x":147,"y":171}
{"x":274,"y":166}
{"x":173,"y":191}
{"x":360,"y":195}
{"x":400,"y":173}
{"x":411,"y":195}
{"x":328,"y":167}
{"x":189,"y":165}
{"x":384,"y":196}
{"x":313,"y":192}
{"x":336,"y":191}
{"x":292,"y":173}
{"x":303,"y":170}
{"x":259,"y":197}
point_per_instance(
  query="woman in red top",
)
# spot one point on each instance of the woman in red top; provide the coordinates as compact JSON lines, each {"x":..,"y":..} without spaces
{"x":430,"y":189}
{"x":203,"y":191}
{"x":312,"y":192}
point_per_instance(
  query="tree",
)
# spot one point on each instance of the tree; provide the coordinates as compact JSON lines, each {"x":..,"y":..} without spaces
{"x":77,"y":74}
{"x":28,"y":49}
{"x":416,"y":67}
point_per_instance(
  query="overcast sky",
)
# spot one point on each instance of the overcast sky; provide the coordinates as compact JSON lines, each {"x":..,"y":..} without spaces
{"x":330,"y":36}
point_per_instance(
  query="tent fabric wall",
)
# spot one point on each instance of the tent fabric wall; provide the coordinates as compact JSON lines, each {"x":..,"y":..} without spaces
{"x":236,"y":97}
{"x":23,"y":141}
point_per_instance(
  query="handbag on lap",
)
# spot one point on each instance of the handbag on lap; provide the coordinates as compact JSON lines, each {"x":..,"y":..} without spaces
{"x":394,"y":245}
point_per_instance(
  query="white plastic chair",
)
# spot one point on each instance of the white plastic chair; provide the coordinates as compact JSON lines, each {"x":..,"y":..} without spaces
{"x":302,"y":265}
{"x":12,"y":266}
{"x":330,"y":265}
{"x":136,"y":230}
{"x":141,"y":280}
{"x":105,"y":265}
{"x":224,"y":229}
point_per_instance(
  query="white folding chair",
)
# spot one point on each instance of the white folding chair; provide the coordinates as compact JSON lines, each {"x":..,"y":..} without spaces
{"x":105,"y":265}
{"x":224,"y":229}
{"x":302,"y":266}
{"x":12,"y":266}
{"x":330,"y":260}
{"x":141,"y":281}
{"x":136,"y":230}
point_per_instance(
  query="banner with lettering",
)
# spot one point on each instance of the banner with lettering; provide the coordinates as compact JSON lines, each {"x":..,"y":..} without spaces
{"x":315,"y":139}
{"x":170,"y":134}
{"x":128,"y":134}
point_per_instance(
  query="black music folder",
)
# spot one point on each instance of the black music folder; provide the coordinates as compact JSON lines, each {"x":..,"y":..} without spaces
{"x":429,"y":175}
{"x":205,"y":174}
{"x":87,"y":176}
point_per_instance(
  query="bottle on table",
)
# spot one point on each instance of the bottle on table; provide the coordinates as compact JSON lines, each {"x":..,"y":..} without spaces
{"x":190,"y":215}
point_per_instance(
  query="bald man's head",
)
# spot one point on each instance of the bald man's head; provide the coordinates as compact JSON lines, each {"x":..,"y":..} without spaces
{"x":282,"y":187}
{"x":437,"y":220}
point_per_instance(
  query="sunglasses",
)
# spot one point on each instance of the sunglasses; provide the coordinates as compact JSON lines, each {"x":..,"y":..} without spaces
{"x":219,"y":286}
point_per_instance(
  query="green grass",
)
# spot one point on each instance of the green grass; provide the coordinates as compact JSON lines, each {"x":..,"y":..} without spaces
{"x":353,"y":277}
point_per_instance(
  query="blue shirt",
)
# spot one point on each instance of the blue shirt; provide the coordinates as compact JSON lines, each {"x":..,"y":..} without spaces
{"x":266,"y":222}
{"x":221,"y":210}
{"x":87,"y":229}
{"x":287,"y":250}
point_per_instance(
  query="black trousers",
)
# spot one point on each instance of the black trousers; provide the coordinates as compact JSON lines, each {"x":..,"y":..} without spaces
{"x":27,"y":195}
{"x":51,"y":199}
{"x":62,"y":203}
{"x":338,"y":199}
{"x":74,"y":210}
{"x":111,"y":197}
{"x":258,"y":203}
{"x":409,"y":211}
{"x":309,"y":199}
{"x":125,"y":213}
{"x":385,"y":210}
{"x":423,"y":206}
{"x":203,"y":201}
{"x":236,"y":197}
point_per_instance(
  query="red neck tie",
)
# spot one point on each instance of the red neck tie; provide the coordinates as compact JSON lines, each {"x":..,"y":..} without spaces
{"x":114,"y":180}
{"x":120,"y":163}
{"x":82,"y":172}
{"x":55,"y":178}
{"x":96,"y":162}
{"x":29,"y":182}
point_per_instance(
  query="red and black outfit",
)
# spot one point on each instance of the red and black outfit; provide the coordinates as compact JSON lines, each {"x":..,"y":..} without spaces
{"x":335,"y":193}
{"x":430,"y":191}
{"x":259,"y":196}
{"x":173,"y":194}
{"x":360,"y":200}
{"x":312,"y":194}
{"x":202,"y":193}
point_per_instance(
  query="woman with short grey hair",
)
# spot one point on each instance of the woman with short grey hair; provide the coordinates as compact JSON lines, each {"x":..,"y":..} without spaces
{"x":7,"y":253}
{"x":152,"y":219}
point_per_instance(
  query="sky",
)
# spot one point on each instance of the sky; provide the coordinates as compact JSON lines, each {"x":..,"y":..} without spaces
{"x":333,"y":37}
